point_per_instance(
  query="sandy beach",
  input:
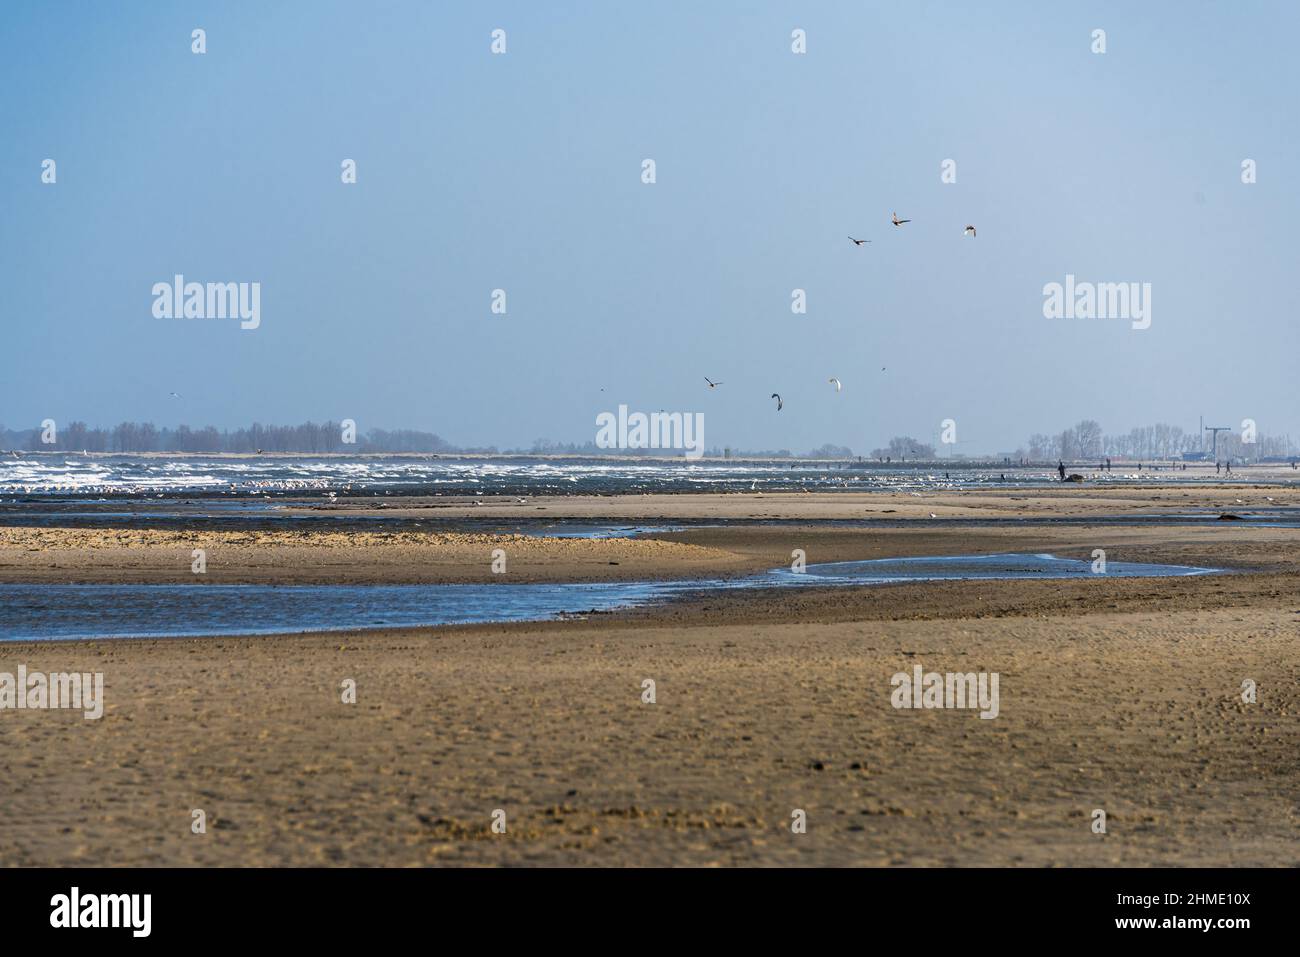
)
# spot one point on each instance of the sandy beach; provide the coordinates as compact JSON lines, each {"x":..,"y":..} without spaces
{"x":1120,"y":695}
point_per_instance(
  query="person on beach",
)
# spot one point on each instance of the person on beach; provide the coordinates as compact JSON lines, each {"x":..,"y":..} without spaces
{"x":1060,"y":467}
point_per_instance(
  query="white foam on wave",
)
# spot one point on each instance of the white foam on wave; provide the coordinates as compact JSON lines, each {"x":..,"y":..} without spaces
{"x":124,"y":474}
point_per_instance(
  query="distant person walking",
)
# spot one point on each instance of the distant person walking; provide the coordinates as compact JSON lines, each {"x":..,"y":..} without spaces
{"x":1060,"y":467}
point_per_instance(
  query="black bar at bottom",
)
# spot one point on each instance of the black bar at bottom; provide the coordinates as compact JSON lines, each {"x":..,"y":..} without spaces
{"x":335,"y":907}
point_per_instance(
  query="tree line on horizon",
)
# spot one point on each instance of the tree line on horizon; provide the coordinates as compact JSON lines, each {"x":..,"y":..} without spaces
{"x":146,"y":437}
{"x":311,"y":437}
{"x":1085,"y":441}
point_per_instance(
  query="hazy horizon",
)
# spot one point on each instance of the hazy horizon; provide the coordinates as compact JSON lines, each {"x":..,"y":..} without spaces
{"x":1085,"y":440}
{"x":522,"y":171}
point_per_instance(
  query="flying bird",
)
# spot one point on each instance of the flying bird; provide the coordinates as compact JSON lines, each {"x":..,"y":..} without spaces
{"x":969,"y":230}
{"x":858,"y":242}
{"x":175,"y":395}
{"x":835,"y":382}
{"x":712,"y":384}
{"x":779,"y":403}
{"x":897,"y":221}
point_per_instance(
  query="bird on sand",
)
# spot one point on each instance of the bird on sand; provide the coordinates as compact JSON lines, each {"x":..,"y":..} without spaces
{"x":969,"y":231}
{"x":835,"y":382}
{"x":898,"y":222}
{"x":858,"y":242}
{"x":779,"y":403}
{"x":712,"y":384}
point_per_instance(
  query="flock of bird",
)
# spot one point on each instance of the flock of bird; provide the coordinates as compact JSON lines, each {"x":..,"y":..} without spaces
{"x":780,"y":404}
{"x":839,"y":387}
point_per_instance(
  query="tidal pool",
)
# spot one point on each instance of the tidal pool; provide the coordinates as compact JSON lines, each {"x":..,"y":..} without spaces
{"x":53,"y":612}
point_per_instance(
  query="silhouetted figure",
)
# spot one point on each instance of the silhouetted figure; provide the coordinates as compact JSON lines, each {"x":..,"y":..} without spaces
{"x":1060,"y":467}
{"x":1217,"y":468}
{"x":1227,"y":467}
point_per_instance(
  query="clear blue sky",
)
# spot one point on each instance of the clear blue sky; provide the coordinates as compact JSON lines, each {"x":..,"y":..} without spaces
{"x":522,"y":172}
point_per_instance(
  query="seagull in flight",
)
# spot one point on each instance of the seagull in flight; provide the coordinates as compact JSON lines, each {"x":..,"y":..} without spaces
{"x":712,"y":384}
{"x":898,"y":222}
{"x":779,"y":403}
{"x":858,"y":242}
{"x":835,"y":382}
{"x":969,"y":230}
{"x":175,"y":395}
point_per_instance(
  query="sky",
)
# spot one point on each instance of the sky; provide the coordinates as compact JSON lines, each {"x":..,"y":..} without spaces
{"x":523,"y":171}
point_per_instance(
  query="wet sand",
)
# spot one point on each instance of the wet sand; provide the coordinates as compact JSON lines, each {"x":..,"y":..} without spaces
{"x":439,"y":550}
{"x":1118,"y":695}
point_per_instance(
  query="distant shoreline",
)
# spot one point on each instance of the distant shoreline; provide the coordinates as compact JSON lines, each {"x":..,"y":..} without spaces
{"x":950,"y":464}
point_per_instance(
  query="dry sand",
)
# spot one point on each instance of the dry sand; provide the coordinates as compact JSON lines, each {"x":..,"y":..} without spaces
{"x":1119,"y":695}
{"x":1030,"y":502}
{"x":309,"y":557}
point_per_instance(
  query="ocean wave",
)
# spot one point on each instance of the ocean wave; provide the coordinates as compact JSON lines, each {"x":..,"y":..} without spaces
{"x":126,"y":475}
